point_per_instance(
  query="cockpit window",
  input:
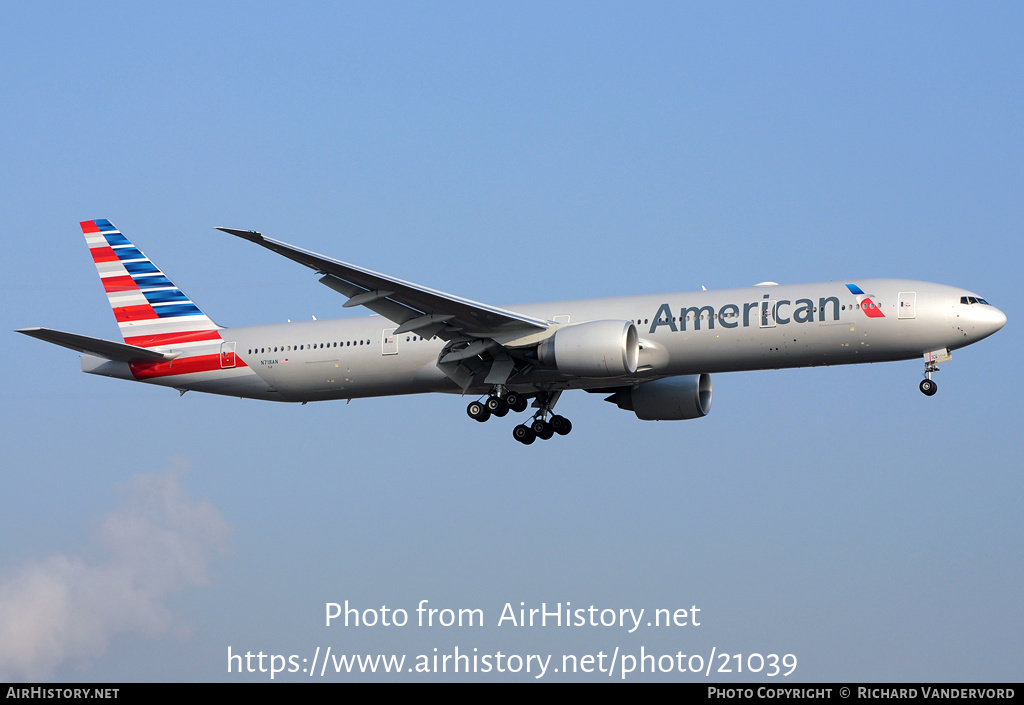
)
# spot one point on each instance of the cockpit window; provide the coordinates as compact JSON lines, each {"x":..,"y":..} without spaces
{"x":973,"y":300}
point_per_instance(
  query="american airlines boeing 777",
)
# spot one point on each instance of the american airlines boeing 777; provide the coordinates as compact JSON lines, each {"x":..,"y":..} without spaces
{"x":652,"y":355}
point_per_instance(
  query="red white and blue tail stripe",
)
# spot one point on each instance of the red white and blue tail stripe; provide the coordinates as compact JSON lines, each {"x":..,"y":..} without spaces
{"x":150,"y":310}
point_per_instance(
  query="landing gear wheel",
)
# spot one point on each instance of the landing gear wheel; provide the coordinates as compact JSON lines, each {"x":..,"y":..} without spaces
{"x":542,"y":429}
{"x":928,"y":387}
{"x":497,"y":406}
{"x":516,"y":401}
{"x":524,"y":434}
{"x":478,"y":410}
{"x":561,"y":425}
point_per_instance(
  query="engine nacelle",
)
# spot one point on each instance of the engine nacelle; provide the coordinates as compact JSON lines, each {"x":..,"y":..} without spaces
{"x":669,"y":399}
{"x":593,"y":349}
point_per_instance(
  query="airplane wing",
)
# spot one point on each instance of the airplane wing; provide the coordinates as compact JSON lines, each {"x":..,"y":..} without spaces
{"x":97,"y":346}
{"x":413,"y":308}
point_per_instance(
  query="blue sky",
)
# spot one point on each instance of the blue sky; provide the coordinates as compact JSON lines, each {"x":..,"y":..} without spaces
{"x":512,"y":153}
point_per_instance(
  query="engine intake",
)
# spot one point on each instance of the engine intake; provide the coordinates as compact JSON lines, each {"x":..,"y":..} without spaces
{"x":593,"y":349}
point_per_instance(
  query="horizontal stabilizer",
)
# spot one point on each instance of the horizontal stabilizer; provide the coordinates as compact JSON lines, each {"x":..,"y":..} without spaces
{"x":97,"y":346}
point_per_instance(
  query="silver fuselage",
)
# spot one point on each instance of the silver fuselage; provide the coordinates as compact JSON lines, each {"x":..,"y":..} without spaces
{"x":753,"y":328}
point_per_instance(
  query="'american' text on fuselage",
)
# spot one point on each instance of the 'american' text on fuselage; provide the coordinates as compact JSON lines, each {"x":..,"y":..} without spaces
{"x":767,"y":310}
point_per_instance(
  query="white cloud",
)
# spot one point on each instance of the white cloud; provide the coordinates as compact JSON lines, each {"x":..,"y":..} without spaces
{"x":62,"y":608}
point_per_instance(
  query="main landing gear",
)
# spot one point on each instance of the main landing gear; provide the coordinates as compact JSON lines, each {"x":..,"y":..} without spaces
{"x":500,"y":401}
{"x":496,"y":404}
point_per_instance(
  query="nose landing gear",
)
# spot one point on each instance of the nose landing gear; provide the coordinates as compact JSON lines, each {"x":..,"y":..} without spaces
{"x":931,"y":364}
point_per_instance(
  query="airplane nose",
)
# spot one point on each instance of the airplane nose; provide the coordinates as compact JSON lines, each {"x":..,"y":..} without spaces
{"x":998,"y":319}
{"x":988,"y":319}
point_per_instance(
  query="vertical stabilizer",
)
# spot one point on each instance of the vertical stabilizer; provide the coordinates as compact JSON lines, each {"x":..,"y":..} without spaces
{"x":150,"y":310}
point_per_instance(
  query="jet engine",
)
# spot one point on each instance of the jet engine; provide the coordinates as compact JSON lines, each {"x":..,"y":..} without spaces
{"x":668,"y":399}
{"x":592,"y":349}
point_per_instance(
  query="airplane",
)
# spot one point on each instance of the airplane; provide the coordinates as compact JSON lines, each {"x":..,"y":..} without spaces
{"x":652,"y":354}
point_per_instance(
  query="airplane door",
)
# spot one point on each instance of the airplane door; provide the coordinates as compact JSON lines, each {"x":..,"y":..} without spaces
{"x":908,"y":303}
{"x":388,"y":342}
{"x":227,"y":355}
